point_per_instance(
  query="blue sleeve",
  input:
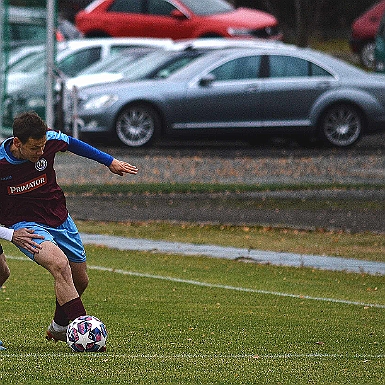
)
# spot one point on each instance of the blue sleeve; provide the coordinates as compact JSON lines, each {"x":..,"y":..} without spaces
{"x":83,"y":149}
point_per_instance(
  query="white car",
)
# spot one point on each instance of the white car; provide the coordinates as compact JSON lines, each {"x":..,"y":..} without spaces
{"x":72,"y":57}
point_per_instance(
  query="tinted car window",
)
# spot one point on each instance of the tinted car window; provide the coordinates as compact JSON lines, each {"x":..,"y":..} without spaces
{"x":318,"y":71}
{"x":171,"y":67}
{"x":160,"y":7}
{"x":132,"y":6}
{"x":117,"y":49}
{"x":208,"y":7}
{"x":237,"y":69}
{"x":73,"y":64}
{"x":287,"y":66}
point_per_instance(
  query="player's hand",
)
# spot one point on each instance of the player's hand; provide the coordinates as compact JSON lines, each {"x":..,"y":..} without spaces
{"x":25,"y":238}
{"x":120,"y":168}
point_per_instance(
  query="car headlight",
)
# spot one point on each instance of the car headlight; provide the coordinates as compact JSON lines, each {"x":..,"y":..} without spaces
{"x":239,"y":31}
{"x":101,"y":101}
{"x":380,"y":66}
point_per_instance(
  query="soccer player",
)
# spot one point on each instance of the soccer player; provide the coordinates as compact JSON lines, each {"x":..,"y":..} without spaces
{"x":31,"y":199}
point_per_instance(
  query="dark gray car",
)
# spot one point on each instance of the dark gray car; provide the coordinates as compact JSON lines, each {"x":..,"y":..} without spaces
{"x":245,"y":92}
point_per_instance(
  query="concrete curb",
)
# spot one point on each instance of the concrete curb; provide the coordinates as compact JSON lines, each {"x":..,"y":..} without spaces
{"x":258,"y":256}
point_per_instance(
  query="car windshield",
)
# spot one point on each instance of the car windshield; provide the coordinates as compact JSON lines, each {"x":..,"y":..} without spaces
{"x":159,"y":65}
{"x":208,"y":7}
{"x":116,"y":63}
{"x":111,"y":65}
{"x":33,"y":62}
{"x":30,"y":63}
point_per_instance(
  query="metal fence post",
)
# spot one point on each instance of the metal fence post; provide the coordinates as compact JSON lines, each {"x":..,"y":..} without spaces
{"x":75,"y":119}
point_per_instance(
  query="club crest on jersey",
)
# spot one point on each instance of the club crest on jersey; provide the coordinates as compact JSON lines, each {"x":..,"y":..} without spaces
{"x":41,"y":164}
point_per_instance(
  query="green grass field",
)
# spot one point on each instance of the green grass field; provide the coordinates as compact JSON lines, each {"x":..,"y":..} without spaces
{"x":194,"y":320}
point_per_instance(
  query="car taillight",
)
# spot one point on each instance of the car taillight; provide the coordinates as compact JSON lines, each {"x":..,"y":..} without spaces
{"x":59,"y":36}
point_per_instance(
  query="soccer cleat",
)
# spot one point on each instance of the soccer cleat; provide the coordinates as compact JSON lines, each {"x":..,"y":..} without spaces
{"x":53,"y":335}
{"x":1,"y":346}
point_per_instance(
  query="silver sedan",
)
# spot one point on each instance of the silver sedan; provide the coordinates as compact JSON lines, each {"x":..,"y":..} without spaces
{"x":267,"y":90}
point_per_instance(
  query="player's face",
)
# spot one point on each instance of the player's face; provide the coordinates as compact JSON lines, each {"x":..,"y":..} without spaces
{"x":32,"y":150}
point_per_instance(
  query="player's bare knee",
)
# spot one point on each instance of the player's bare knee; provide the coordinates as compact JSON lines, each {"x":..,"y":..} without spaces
{"x":60,"y":269}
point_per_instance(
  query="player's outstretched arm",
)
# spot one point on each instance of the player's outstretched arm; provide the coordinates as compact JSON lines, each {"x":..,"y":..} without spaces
{"x":120,"y":168}
{"x":84,"y":149}
{"x":25,"y":238}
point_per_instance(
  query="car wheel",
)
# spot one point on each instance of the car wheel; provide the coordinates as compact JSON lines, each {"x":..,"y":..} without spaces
{"x":341,"y":125}
{"x":367,"y":55}
{"x":137,"y":125}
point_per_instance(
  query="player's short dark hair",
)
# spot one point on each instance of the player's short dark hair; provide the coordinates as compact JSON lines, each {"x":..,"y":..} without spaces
{"x":29,"y":125}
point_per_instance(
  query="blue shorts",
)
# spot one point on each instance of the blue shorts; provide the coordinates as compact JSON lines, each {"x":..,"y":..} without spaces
{"x":66,"y":236}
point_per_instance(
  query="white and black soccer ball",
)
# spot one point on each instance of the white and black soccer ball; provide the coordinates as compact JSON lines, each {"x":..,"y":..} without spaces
{"x":87,"y":334}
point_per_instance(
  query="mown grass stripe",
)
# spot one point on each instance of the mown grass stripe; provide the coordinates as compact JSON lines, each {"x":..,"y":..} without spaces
{"x":277,"y":356}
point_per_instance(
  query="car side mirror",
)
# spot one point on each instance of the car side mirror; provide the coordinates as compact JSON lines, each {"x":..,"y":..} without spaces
{"x":207,"y":80}
{"x":177,"y":14}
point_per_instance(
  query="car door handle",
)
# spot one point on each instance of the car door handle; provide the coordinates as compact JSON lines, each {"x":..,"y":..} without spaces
{"x":323,"y":85}
{"x":254,"y":88}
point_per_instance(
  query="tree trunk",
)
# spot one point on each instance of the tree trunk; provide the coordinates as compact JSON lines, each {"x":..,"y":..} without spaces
{"x":302,"y":15}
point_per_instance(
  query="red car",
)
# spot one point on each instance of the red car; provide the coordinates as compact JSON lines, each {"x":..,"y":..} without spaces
{"x":363,"y":33}
{"x":175,"y":19}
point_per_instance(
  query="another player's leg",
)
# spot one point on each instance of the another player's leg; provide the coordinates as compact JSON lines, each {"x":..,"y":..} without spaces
{"x":4,"y":274}
{"x":4,"y":269}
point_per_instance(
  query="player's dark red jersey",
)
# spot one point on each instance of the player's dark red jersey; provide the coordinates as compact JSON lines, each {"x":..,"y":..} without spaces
{"x":29,"y":191}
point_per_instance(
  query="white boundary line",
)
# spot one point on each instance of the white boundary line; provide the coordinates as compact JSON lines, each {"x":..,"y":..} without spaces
{"x":225,"y":287}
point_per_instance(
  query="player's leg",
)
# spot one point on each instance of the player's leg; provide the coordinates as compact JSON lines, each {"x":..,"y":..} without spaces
{"x":55,"y":261}
{"x":69,"y":241}
{"x":58,"y":327}
{"x":68,"y":303}
{"x":79,"y":276}
{"x":4,"y":269}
